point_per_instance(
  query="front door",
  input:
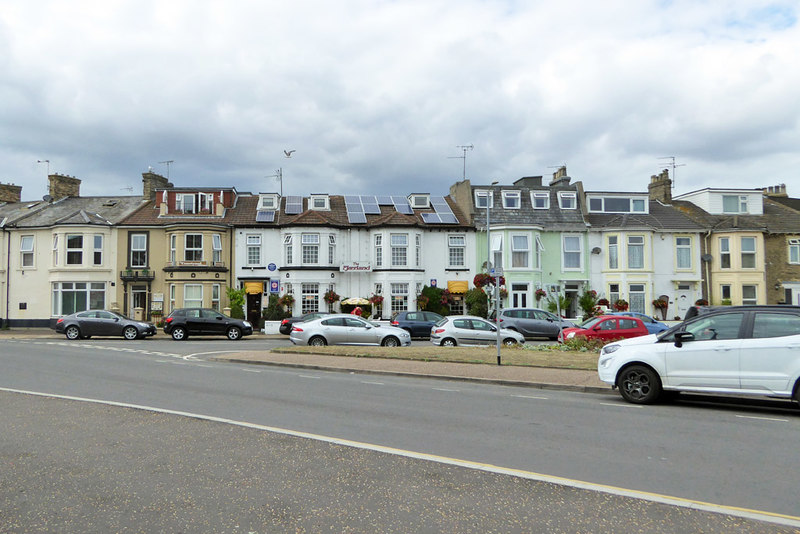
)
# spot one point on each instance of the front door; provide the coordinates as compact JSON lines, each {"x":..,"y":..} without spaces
{"x":519,"y":295}
{"x":138,"y":300}
{"x":254,"y":309}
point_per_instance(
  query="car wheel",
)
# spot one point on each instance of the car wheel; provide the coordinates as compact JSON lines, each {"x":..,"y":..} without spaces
{"x":449,"y":342}
{"x":317,"y":341}
{"x":639,"y":384}
{"x":72,"y":332}
{"x":179,"y":333}
{"x":509,"y":342}
{"x":796,"y":395}
{"x":130,"y":333}
{"x":391,"y":341}
{"x":234,"y":333}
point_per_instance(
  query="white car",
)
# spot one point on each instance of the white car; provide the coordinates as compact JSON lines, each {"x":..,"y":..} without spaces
{"x":344,"y":329}
{"x":468,"y":330}
{"x":740,"y":350}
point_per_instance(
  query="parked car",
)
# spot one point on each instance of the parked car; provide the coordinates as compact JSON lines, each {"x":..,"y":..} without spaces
{"x":533,"y":322}
{"x":85,"y":324}
{"x":183,"y":322}
{"x":346,"y":329}
{"x":741,"y":350}
{"x":653,"y":326}
{"x":286,"y":324}
{"x":416,"y":323}
{"x":468,"y":330}
{"x":607,"y":328}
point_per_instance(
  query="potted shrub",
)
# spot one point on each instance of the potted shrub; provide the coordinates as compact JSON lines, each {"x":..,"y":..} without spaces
{"x":287,"y":300}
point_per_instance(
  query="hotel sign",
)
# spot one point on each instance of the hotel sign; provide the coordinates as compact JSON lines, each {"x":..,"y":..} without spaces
{"x":355,"y":267}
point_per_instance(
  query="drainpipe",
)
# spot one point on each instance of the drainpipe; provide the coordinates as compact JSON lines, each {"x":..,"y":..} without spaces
{"x":707,"y":294}
{"x":7,"y":237}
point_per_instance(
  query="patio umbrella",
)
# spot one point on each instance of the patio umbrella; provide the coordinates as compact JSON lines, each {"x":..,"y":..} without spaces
{"x":356,"y":301}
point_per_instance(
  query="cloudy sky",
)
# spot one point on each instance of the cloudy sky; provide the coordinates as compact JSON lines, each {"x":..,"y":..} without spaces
{"x":378,"y":96}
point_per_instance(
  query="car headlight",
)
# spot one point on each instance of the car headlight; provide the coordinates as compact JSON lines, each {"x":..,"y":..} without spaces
{"x":608,"y":349}
{"x":570,"y":335}
{"x":247,"y":323}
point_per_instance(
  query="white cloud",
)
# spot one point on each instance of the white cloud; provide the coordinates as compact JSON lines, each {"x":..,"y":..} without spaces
{"x":376,"y":96}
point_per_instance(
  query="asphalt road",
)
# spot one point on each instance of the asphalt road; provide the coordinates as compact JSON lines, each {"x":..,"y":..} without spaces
{"x":733,"y":456}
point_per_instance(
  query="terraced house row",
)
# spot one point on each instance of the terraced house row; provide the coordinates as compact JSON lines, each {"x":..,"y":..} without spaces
{"x":183,"y":246}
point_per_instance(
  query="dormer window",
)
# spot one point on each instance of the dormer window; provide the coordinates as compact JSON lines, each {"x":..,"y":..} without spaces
{"x":540,"y":200}
{"x":734,"y":204}
{"x":419,"y":201}
{"x":511,"y":200}
{"x":194,"y":202}
{"x":320,"y":202}
{"x":268,"y":202}
{"x":567,"y":200}
{"x":483,"y":199}
{"x":617,"y":204}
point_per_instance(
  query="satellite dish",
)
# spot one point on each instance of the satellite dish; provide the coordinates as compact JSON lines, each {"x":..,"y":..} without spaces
{"x":596,"y":250}
{"x":47,"y":198}
{"x":706,"y":257}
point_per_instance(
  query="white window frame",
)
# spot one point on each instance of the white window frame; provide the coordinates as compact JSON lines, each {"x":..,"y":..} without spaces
{"x":497,"y":250}
{"x":171,"y":297}
{"x":418,"y":249}
{"x":512,"y":200}
{"x":687,"y":250}
{"x":750,"y":300}
{"x":319,"y":203}
{"x":94,"y":296}
{"x":215,"y":297}
{"x":216,"y":249}
{"x":741,"y":203}
{"x":567,"y":200}
{"x":378,"y":250}
{"x":456,"y":250}
{"x":309,"y":297}
{"x":193,"y":249}
{"x":520,"y":253}
{"x":399,"y":249}
{"x":27,"y":256}
{"x":794,"y":251}
{"x":540,"y":200}
{"x":309,"y":249}
{"x":97,"y":255}
{"x":193,"y":302}
{"x":564,"y":252}
{"x":288,"y":249}
{"x":331,"y":249}
{"x":55,"y":250}
{"x":483,"y":198}
{"x":136,"y":248}
{"x":725,"y":251}
{"x":74,"y":250}
{"x":267,"y":202}
{"x":398,"y":296}
{"x":253,"y":254}
{"x":539,"y":250}
{"x":633,"y":245}
{"x":173,"y":249}
{"x":613,"y":251}
{"x":748,"y":253}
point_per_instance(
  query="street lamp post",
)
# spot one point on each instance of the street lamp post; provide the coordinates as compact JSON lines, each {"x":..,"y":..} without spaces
{"x":489,"y":199}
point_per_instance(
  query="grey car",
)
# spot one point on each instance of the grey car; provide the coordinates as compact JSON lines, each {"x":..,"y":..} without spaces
{"x":85,"y":324}
{"x":533,"y":322}
{"x":344,"y":329}
{"x":468,"y":330}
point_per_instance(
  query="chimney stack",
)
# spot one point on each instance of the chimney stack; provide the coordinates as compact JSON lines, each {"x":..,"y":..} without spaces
{"x":776,"y":191}
{"x":660,"y":187}
{"x":529,"y":181}
{"x":560,"y":177}
{"x":152,"y":181}
{"x":64,"y":186}
{"x":10,"y":193}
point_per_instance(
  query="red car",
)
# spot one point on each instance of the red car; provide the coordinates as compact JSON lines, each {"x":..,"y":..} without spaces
{"x":607,"y":328}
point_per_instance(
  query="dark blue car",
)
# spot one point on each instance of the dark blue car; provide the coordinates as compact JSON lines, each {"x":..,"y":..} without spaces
{"x":416,"y":323}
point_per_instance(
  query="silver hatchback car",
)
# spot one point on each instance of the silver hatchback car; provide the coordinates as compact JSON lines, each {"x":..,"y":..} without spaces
{"x":344,"y":329}
{"x":469,"y":330}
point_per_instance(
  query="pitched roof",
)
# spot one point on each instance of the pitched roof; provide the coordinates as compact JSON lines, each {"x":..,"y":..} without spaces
{"x":553,"y":218}
{"x":102,"y":211}
{"x":661,"y":217}
{"x":777,"y":218}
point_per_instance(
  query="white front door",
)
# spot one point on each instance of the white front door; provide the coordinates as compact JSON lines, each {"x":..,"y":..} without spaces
{"x":519,"y":295}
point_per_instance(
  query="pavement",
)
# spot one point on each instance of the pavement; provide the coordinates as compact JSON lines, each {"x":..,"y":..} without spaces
{"x":535,"y":377}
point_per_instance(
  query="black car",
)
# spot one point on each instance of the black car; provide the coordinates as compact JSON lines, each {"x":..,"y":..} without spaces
{"x":183,"y":322}
{"x":286,"y":324}
{"x":416,"y":323}
{"x":85,"y":324}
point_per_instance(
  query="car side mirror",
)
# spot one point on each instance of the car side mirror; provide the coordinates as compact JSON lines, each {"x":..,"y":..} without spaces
{"x":116,"y":319}
{"x":683,"y":337}
{"x":494,"y":329}
{"x":219,"y":318}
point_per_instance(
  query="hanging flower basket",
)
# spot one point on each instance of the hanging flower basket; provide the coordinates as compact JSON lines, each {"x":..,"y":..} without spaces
{"x":603,"y":302}
{"x":660,"y":304}
{"x":331,"y":296}
{"x":621,"y":305}
{"x":701,"y":302}
{"x":540,"y":294}
{"x":286,"y":300}
{"x":376,"y":299}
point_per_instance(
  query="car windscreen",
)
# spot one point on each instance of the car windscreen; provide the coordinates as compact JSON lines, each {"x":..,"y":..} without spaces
{"x":441,"y":321}
{"x":590,"y":322}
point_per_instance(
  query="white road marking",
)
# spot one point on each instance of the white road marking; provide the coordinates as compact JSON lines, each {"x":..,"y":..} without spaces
{"x":309,"y":376}
{"x":529,"y":397}
{"x":619,"y":405}
{"x":444,"y":389}
{"x":250,"y":370}
{"x":757,"y":515}
{"x":764,"y":418}
{"x":373,"y":383}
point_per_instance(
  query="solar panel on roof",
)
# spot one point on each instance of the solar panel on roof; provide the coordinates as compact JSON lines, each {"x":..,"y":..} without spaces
{"x":352,"y":199}
{"x":431,"y":218}
{"x":265,"y":216}
{"x":440,"y":205}
{"x":401,"y":205}
{"x":370,"y":205}
{"x":356,"y":218}
{"x":294,"y":205}
{"x":384,"y":200}
{"x":448,"y":218}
